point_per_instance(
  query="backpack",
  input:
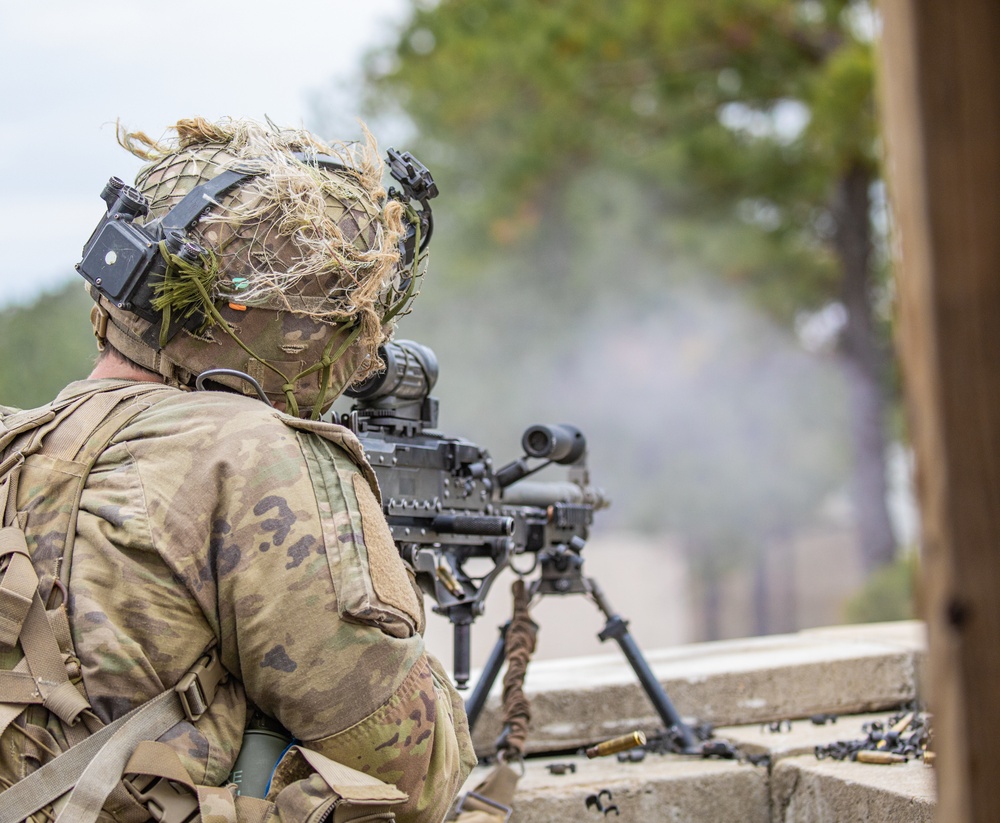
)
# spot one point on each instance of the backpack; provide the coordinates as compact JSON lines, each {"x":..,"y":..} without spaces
{"x":118,"y":766}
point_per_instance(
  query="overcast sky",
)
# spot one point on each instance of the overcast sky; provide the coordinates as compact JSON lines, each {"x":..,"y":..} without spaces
{"x":69,"y":69}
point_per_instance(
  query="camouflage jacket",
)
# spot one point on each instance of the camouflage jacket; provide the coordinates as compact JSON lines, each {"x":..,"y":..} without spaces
{"x":210,"y":519}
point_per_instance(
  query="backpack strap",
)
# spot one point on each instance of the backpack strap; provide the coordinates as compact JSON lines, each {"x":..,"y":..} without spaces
{"x":46,"y":680}
{"x":74,"y":432}
{"x":18,"y":584}
{"x":80,"y":428}
{"x":93,"y":767}
{"x":155,"y":778}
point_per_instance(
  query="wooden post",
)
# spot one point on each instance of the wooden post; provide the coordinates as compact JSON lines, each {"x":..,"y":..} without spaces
{"x":940,"y":95}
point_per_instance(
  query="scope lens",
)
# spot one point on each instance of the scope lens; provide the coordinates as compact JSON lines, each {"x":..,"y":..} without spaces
{"x":559,"y":443}
{"x":411,"y":370}
{"x":537,"y":442}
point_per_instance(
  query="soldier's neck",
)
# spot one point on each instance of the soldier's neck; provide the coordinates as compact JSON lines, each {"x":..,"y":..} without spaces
{"x":112,"y":366}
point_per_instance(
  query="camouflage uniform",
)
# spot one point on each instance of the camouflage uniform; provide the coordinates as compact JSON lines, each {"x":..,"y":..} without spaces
{"x":213,"y":519}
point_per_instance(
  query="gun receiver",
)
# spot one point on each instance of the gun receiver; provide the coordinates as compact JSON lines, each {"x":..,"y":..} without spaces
{"x":447,"y":507}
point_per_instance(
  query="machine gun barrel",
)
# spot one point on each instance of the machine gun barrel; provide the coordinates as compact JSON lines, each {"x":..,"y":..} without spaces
{"x":545,"y":493}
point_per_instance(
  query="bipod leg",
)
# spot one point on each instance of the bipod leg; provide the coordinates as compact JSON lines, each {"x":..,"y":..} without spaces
{"x":474,"y":705}
{"x":617,"y":629}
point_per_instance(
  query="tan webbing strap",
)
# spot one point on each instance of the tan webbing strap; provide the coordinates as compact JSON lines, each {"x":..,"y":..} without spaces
{"x":21,"y":422}
{"x":158,"y":780}
{"x":86,"y":435}
{"x":34,"y":436}
{"x":54,"y":779}
{"x":17,"y":585}
{"x":31,"y":427}
{"x":8,"y":490}
{"x":102,"y":774}
{"x":95,"y":765}
{"x":68,"y":439}
{"x":22,"y":426}
{"x":8,"y":713}
{"x":19,"y":688}
{"x":107,"y":749}
{"x":12,"y":425}
{"x":49,"y":684}
{"x":45,"y":661}
{"x":492,"y":799}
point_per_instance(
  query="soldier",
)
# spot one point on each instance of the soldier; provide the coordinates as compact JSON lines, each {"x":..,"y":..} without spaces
{"x":206,"y":561}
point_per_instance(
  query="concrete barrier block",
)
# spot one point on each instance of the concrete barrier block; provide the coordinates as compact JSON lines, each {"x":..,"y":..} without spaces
{"x":660,"y":788}
{"x":807,"y":790}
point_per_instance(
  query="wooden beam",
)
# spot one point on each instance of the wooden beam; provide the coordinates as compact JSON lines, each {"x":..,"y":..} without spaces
{"x":940,"y":95}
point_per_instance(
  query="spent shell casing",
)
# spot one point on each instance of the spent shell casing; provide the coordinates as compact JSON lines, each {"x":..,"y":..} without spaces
{"x":880,"y":757}
{"x":450,"y":583}
{"x":618,"y":744}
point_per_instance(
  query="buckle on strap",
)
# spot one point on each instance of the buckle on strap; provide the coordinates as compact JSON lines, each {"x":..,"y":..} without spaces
{"x":197,"y":688}
{"x":166,"y":801}
{"x":458,"y":808}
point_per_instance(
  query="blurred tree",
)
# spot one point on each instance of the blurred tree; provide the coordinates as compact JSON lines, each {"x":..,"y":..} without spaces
{"x":889,"y":594}
{"x":45,"y":345}
{"x":753,"y":118}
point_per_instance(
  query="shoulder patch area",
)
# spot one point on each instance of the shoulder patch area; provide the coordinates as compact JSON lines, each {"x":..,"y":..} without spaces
{"x":369,"y":578}
{"x":389,"y":578}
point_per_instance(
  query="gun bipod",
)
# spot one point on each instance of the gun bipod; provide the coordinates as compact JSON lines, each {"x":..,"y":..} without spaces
{"x":568,"y":579}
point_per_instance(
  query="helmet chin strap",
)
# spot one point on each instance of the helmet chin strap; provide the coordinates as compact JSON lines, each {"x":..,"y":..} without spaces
{"x":109,"y":331}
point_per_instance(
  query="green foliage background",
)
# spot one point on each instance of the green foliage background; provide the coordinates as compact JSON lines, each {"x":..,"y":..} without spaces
{"x":44,"y":345}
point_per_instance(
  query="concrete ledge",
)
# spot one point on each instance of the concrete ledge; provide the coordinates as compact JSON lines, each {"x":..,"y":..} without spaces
{"x":807,"y":790}
{"x":796,"y":737}
{"x":798,"y":789}
{"x":842,"y":670}
{"x":662,"y":787}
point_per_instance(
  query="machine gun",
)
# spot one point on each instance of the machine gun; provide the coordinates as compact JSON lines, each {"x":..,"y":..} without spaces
{"x":459,"y":522}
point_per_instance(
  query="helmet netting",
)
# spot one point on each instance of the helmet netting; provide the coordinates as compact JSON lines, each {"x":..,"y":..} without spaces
{"x":296,"y":237}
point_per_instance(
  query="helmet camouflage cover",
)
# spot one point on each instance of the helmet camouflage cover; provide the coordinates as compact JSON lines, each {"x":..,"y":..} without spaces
{"x":300,"y":278}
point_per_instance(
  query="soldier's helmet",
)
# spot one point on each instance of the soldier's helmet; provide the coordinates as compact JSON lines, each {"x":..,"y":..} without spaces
{"x":249,"y":251}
